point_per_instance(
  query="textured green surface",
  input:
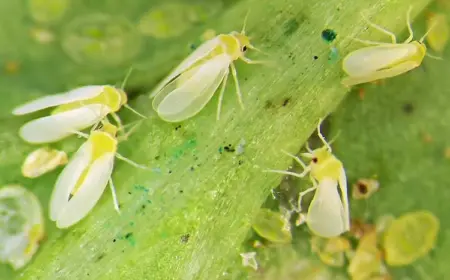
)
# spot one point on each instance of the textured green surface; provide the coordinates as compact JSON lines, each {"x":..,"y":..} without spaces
{"x":188,"y":220}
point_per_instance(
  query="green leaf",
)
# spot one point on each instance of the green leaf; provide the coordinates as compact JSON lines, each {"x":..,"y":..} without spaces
{"x":188,"y":220}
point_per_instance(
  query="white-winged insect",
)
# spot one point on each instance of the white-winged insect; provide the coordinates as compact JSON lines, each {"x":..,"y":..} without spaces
{"x":190,"y":86}
{"x":328,"y":214}
{"x":384,"y":60}
{"x":21,"y":225}
{"x":82,"y":182}
{"x":75,"y":110}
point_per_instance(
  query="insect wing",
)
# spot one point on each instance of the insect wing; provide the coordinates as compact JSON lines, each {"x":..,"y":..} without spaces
{"x":56,"y":127}
{"x":187,"y":99}
{"x":344,"y":197}
{"x":201,"y":52}
{"x":326,"y":215}
{"x":382,"y":74}
{"x":48,"y":101}
{"x":89,"y":193}
{"x":368,"y":60}
{"x":68,"y":179}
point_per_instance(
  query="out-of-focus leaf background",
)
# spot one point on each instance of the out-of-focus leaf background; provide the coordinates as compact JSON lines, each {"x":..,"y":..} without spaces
{"x":190,"y":218}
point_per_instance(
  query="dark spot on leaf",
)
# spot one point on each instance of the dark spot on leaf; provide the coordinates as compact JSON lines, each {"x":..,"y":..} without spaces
{"x":408,"y":108}
{"x":315,"y":160}
{"x":315,"y":57}
{"x":240,"y":162}
{"x":128,"y":235}
{"x":286,"y":101}
{"x":114,"y":240}
{"x":178,"y":127}
{"x":101,"y":256}
{"x":362,"y":188}
{"x":269,"y":105}
{"x":328,"y":35}
{"x":129,"y":192}
{"x":185,"y":238}
{"x":170,"y":171}
{"x":143,"y":206}
{"x":157,"y":157}
{"x":192,"y":168}
{"x":290,"y":26}
{"x":229,"y":149}
{"x":181,"y":191}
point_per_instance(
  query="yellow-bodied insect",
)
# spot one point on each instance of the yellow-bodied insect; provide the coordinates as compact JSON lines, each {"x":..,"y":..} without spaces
{"x":190,"y":86}
{"x":75,"y":110}
{"x":82,"y":182}
{"x":41,"y":161}
{"x":21,"y":225}
{"x":328,"y":214}
{"x":384,"y":60}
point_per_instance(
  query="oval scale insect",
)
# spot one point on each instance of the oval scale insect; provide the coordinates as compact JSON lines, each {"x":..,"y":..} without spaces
{"x":21,"y":225}
{"x":82,"y":182}
{"x":190,"y":86}
{"x":328,"y":214}
{"x":384,"y":60}
{"x":74,"y":110}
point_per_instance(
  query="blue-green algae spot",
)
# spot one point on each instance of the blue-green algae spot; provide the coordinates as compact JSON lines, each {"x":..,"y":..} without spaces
{"x":101,"y":39}
{"x":48,"y":11}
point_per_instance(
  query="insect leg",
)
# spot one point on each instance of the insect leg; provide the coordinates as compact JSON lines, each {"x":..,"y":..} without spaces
{"x":125,"y":80}
{"x":114,"y":195}
{"x":249,"y":61}
{"x":222,"y":90}
{"x":129,"y":132}
{"x":130,"y":162}
{"x":284,"y":172}
{"x":368,"y":42}
{"x":300,"y":198}
{"x":297,"y":159}
{"x":236,"y":83}
{"x":117,"y":120}
{"x":381,"y":29}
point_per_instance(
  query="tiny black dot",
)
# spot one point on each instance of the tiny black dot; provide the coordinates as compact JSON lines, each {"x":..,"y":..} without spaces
{"x":362,"y":188}
{"x":286,"y":102}
{"x":408,"y":108}
{"x":143,"y":206}
{"x":185,"y":238}
{"x":170,"y":171}
{"x":244,"y":48}
{"x":316,"y":57}
{"x":315,"y":160}
{"x":114,"y":240}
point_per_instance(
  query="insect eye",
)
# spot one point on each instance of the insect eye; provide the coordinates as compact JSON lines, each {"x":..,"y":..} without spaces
{"x":244,"y":48}
{"x":315,"y":160}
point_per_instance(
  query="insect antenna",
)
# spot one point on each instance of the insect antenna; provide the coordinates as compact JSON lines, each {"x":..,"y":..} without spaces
{"x":245,"y":22}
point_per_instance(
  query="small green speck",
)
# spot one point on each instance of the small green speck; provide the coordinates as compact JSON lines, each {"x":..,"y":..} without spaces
{"x":131,"y":223}
{"x":333,"y":55}
{"x":141,"y":188}
{"x":130,"y":237}
{"x":328,"y":35}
